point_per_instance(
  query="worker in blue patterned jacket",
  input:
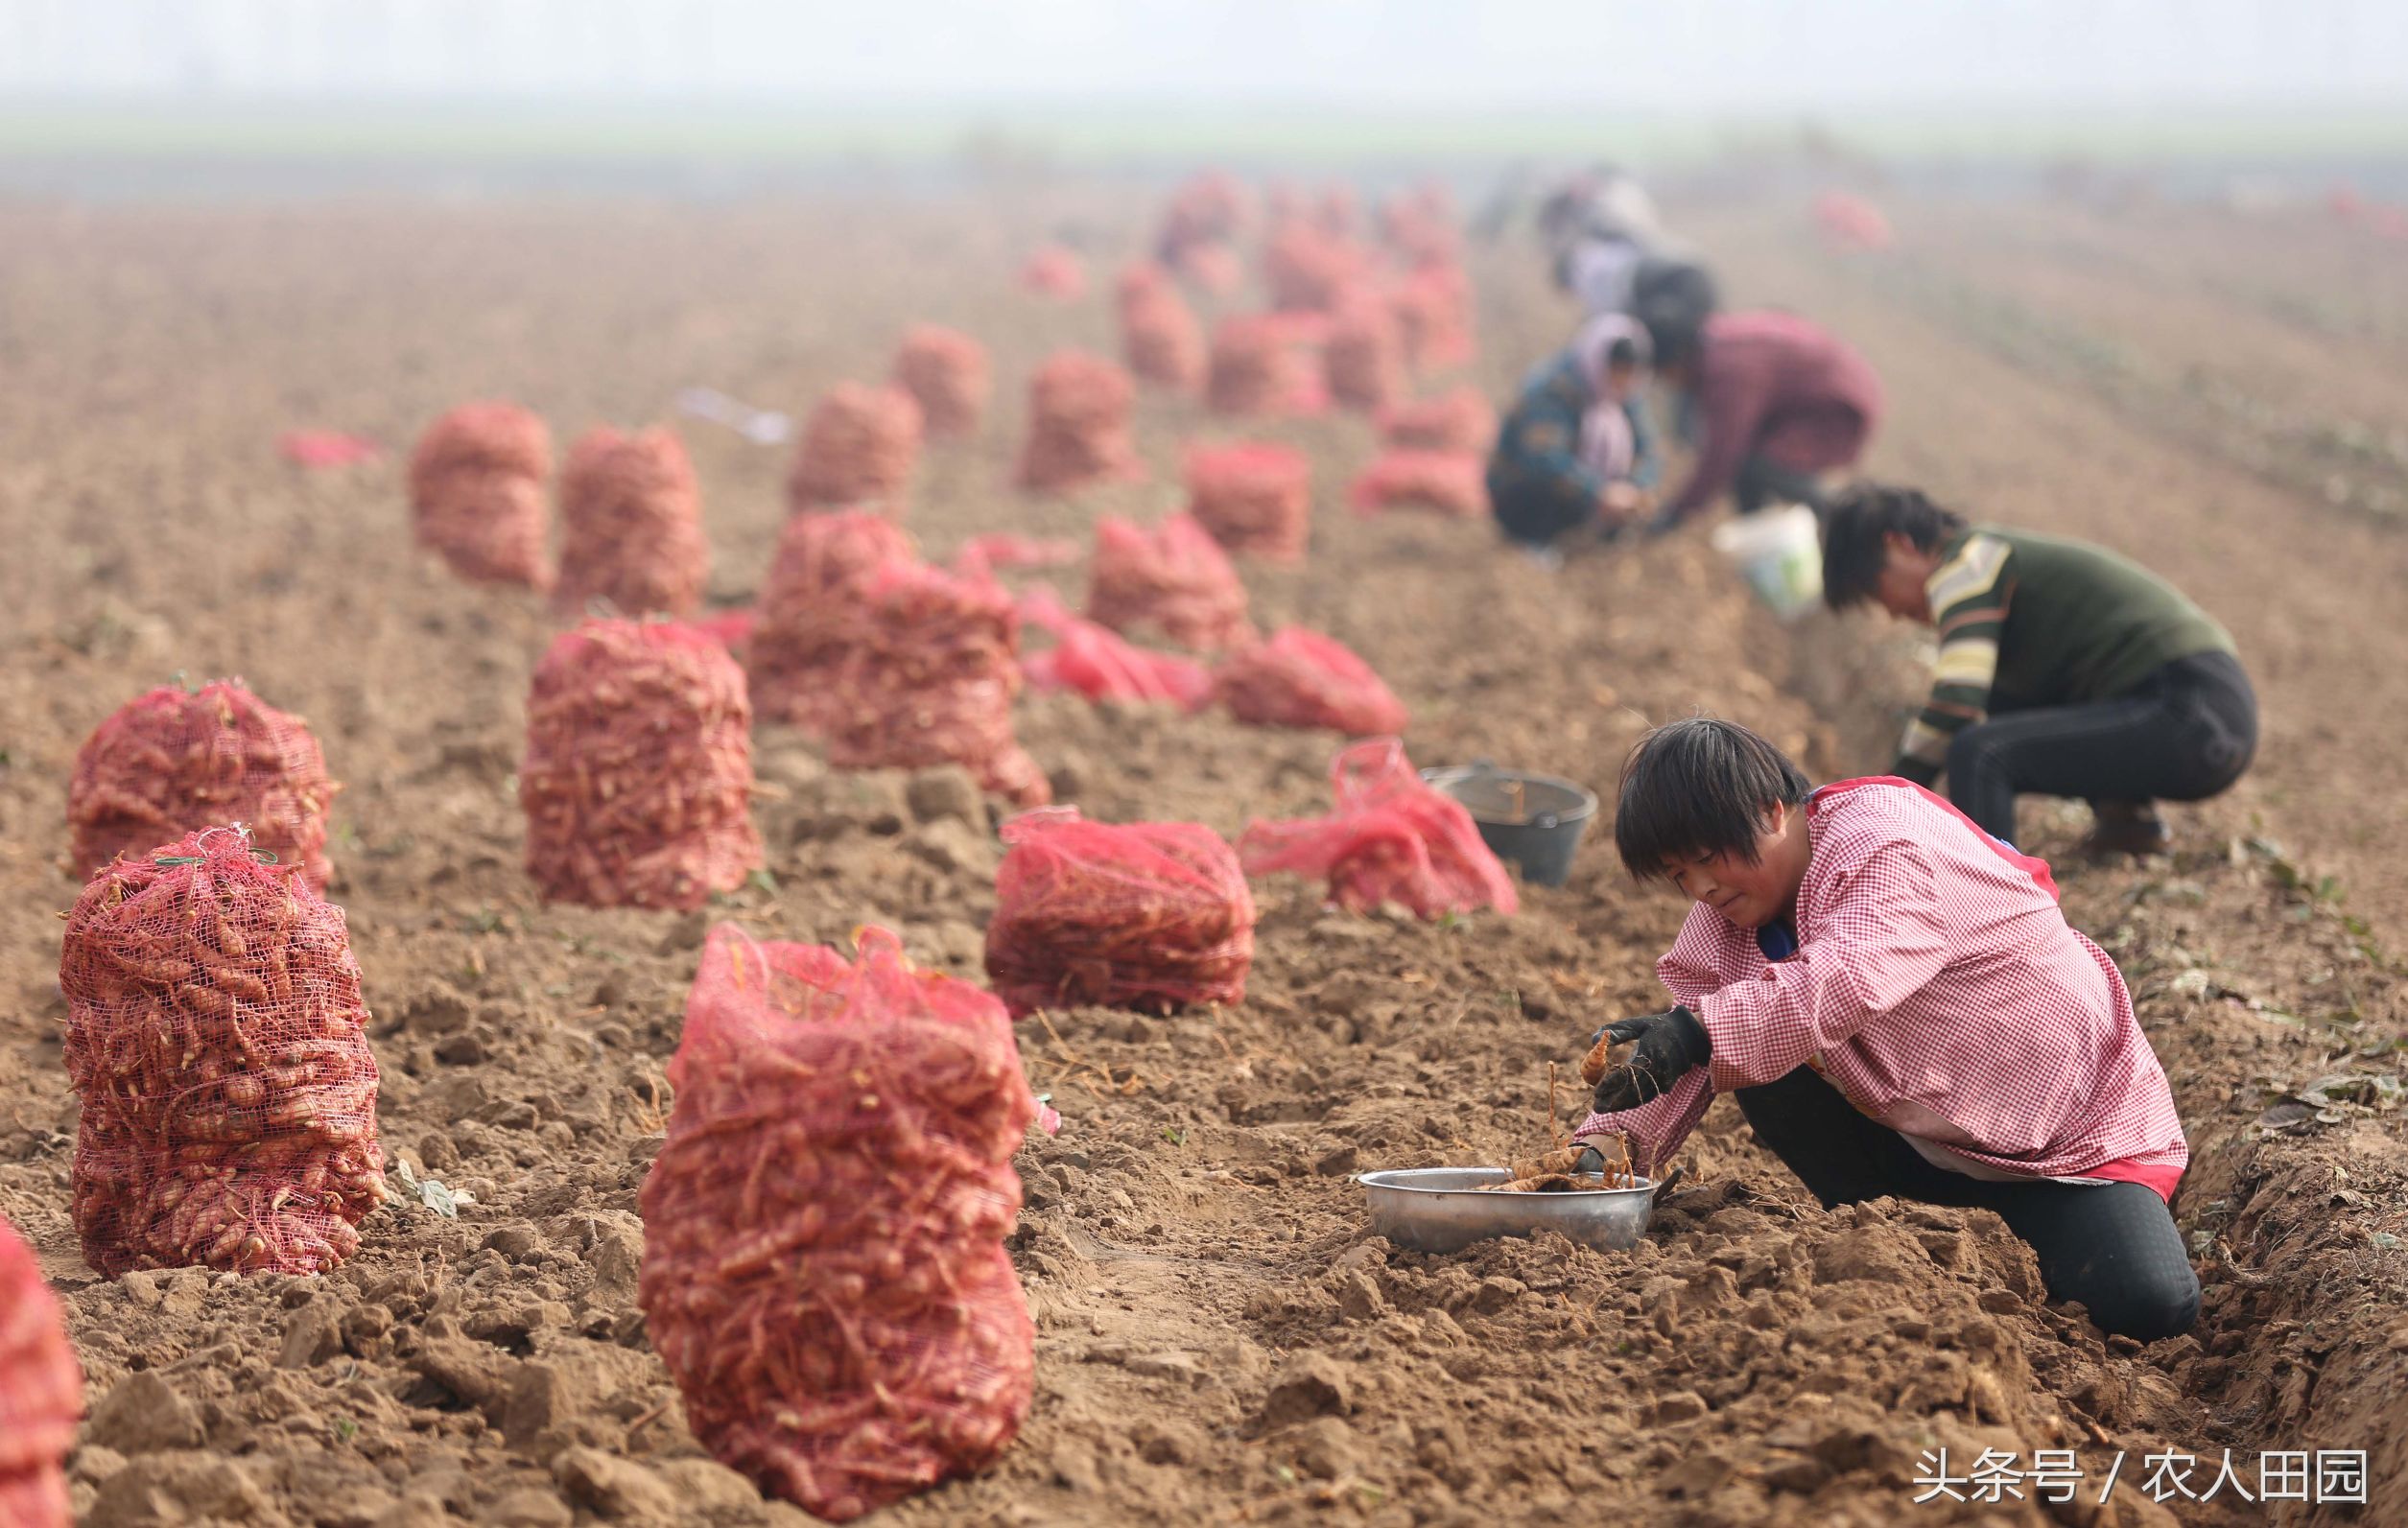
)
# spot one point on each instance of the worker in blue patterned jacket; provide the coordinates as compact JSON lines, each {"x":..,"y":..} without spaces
{"x":1576,"y":454}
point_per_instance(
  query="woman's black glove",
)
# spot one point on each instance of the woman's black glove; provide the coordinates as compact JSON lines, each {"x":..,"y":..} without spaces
{"x":1669,"y":1044}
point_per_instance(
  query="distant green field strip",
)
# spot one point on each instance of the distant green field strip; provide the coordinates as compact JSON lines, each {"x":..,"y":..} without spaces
{"x":604,"y":133}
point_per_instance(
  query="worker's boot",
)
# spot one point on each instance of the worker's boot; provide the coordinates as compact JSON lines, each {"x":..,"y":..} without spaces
{"x":2126,"y":827}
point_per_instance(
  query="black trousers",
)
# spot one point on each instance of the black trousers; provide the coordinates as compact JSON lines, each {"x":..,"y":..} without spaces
{"x":2186,"y":734}
{"x":2114,"y":1248}
{"x":1762,"y":482}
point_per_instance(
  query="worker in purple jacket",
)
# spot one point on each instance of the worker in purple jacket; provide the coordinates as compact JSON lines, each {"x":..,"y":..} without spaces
{"x":1779,"y":402}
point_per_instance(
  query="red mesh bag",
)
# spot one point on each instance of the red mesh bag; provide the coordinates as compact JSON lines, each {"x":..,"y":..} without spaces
{"x":1420,"y":226}
{"x":169,"y":763}
{"x":824,"y":1272}
{"x":1057,"y":271}
{"x":1154,"y":916}
{"x":1448,"y":481}
{"x":1363,"y":360}
{"x":1309,"y":268}
{"x":1216,"y":267}
{"x":1160,"y":338}
{"x":1849,"y":221}
{"x":859,"y":448}
{"x":948,"y":375}
{"x":1457,"y":420}
{"x":990,"y":550}
{"x":216,"y":1038}
{"x":1173,"y":580}
{"x":1094,"y":661}
{"x":1079,"y":425}
{"x":1261,"y":366}
{"x":631,"y":525}
{"x":1432,"y":307}
{"x":1301,"y":678}
{"x":731,"y":629}
{"x":1255,"y":499}
{"x":41,"y":1391}
{"x":637,"y":778}
{"x":1207,"y":209}
{"x":476,"y":493}
{"x":929,"y":679}
{"x":811,"y":611}
{"x":1391,"y":839}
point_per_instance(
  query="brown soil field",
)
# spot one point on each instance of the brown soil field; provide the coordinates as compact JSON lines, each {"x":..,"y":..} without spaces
{"x":1219,"y":1338}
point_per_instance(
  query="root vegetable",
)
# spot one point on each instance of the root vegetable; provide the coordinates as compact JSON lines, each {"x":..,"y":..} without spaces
{"x":1390,"y":838}
{"x":230,"y":1122}
{"x":811,"y":609}
{"x":948,"y":374}
{"x":1300,"y":678}
{"x":823,"y":1271}
{"x":861,"y":444}
{"x":1153,"y":916}
{"x":929,"y":677}
{"x":1450,"y":482}
{"x":1603,"y":1057}
{"x":638,"y":777}
{"x":631,"y":525}
{"x":1079,"y":425}
{"x":1458,"y":420}
{"x":476,"y":493}
{"x":1254,"y":498}
{"x":171,"y":762}
{"x":1173,"y":580}
{"x":41,"y":1391}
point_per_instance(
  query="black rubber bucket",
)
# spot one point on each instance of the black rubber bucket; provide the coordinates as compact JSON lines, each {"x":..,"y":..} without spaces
{"x":1533,"y":821}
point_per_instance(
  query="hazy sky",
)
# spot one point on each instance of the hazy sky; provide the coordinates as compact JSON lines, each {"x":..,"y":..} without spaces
{"x":1488,"y":55}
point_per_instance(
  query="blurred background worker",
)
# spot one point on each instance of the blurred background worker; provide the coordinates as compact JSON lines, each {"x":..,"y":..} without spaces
{"x":1609,"y":249}
{"x":2064,"y":669}
{"x":1780,"y":403}
{"x":1577,"y":450}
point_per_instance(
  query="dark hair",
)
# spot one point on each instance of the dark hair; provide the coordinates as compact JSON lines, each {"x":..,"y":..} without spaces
{"x":1697,"y":787}
{"x":1856,"y":532}
{"x":1622,"y":353}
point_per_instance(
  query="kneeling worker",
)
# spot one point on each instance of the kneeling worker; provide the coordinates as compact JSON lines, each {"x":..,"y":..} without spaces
{"x":1895,"y":1001}
{"x":2064,"y":669}
{"x":1577,"y":450}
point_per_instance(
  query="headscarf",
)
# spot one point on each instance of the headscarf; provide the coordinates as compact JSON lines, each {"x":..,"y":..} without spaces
{"x":1606,"y":443}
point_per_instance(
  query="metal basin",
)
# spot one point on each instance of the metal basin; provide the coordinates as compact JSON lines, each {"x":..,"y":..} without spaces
{"x":1534,"y":821}
{"x":1441,"y":1209}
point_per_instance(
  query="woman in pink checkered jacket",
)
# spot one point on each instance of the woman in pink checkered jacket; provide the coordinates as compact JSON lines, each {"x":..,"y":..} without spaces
{"x":1899,"y":1007}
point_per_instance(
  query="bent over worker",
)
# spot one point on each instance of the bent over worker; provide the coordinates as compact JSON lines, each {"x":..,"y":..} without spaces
{"x":1780,"y":403}
{"x":1577,"y":449}
{"x":2064,"y":669}
{"x":1897,"y":1006}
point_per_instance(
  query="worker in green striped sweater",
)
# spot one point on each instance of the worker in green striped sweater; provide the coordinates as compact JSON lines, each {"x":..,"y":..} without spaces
{"x":2064,"y":669}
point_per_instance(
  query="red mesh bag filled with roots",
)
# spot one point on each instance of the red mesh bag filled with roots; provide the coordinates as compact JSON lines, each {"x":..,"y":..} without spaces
{"x":1433,"y":316}
{"x":1363,"y":360}
{"x":948,"y":374}
{"x":824,"y":1270}
{"x":1172,"y":580}
{"x":218,"y":1040}
{"x":1309,"y":268}
{"x":1390,"y":838}
{"x":476,"y":493}
{"x":41,"y":1391}
{"x":1263,"y":365}
{"x":1457,"y":420}
{"x":1160,"y":337}
{"x":631,"y":525}
{"x":1301,"y":678}
{"x":1450,"y":482}
{"x":1079,"y":425}
{"x":1256,"y":499}
{"x":929,"y":679}
{"x":859,"y":448}
{"x":637,"y":783}
{"x":1153,"y":916}
{"x":1094,"y":661}
{"x":170,"y":763}
{"x":812,"y":610}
